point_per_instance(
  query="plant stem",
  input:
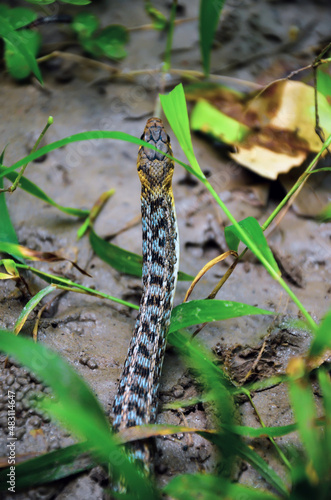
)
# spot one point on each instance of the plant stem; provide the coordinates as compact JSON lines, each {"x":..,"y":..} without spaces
{"x":298,"y":183}
{"x":260,"y":256}
{"x":166,"y":63}
{"x":13,"y":187}
{"x":167,"y":57}
{"x":271,"y":439}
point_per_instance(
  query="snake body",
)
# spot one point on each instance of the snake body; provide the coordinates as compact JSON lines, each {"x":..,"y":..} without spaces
{"x":136,"y":399}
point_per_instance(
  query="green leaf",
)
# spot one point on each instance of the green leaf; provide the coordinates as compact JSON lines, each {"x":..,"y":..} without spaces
{"x":16,"y":63}
{"x":41,"y":2}
{"x":159,"y":20}
{"x":120,"y":259}
{"x":77,"y":2}
{"x":85,"y":24}
{"x":174,"y":107}
{"x":210,"y":11}
{"x":50,"y":467}
{"x":209,"y":120}
{"x":28,"y":308}
{"x":7,"y":231}
{"x":325,"y":215}
{"x":184,"y":277}
{"x":33,"y":189}
{"x":253,"y":229}
{"x":325,"y":385}
{"x":208,"y":487}
{"x":11,"y":269}
{"x":75,"y":398}
{"x":322,"y":338}
{"x":324,"y":83}
{"x":18,"y":44}
{"x":201,"y":311}
{"x":19,"y":16}
{"x":110,"y":42}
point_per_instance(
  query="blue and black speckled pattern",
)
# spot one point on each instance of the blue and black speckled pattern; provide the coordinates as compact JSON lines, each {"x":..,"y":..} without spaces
{"x":136,"y":399}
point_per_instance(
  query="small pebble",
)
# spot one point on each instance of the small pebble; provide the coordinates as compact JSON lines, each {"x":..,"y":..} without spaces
{"x":25,"y":389}
{"x":92,"y":364}
{"x":22,"y":380}
{"x":83,"y":360}
{"x":19,"y":396}
{"x":178,"y":391}
{"x":19,"y":407}
{"x":10,"y":380}
{"x":34,"y":421}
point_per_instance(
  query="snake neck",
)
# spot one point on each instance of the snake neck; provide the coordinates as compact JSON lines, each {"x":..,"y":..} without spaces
{"x":136,"y":400}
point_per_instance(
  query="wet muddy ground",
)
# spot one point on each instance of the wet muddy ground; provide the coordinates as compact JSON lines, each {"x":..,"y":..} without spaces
{"x":253,"y":43}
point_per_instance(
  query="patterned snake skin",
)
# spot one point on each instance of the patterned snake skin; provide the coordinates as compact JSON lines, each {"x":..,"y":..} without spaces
{"x":136,"y":399}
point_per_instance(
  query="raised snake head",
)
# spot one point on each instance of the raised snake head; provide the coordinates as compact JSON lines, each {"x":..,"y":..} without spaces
{"x":154,"y":168}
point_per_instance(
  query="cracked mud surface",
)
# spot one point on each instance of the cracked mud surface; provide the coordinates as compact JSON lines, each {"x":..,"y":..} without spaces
{"x":253,"y":44}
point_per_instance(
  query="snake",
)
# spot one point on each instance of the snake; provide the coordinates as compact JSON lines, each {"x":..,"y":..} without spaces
{"x":137,"y":395}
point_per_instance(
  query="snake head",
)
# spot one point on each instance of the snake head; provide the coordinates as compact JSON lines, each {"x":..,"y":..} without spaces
{"x":154,"y":168}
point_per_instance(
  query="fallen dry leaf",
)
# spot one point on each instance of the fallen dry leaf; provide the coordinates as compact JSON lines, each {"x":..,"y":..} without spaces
{"x":273,"y":130}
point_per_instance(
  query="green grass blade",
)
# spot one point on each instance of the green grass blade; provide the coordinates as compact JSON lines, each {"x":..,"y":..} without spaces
{"x":325,"y":385}
{"x":118,"y":258}
{"x":184,"y":276}
{"x":303,"y":405}
{"x":174,"y":107}
{"x":67,"y":284}
{"x":322,"y":338}
{"x":91,"y":135}
{"x":50,"y":467}
{"x":247,"y":454}
{"x":55,"y":372}
{"x":208,"y":487}
{"x":7,"y":230}
{"x":254,"y":231}
{"x":282,"y":430}
{"x":11,"y":268}
{"x":201,"y":311}
{"x":75,"y":398}
{"x":325,"y":214}
{"x":12,"y":37}
{"x":28,"y":308}
{"x":122,"y":260}
{"x":216,"y":384}
{"x":34,"y":190}
{"x":210,"y":11}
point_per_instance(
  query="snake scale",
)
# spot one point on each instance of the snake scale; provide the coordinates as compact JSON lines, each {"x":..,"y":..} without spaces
{"x":136,"y":399}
